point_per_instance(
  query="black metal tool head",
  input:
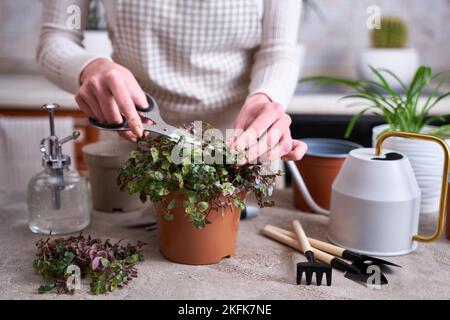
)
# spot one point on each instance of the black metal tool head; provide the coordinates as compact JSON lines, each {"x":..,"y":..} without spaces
{"x":312,"y":266}
{"x":378,"y":261}
{"x":355,"y":256}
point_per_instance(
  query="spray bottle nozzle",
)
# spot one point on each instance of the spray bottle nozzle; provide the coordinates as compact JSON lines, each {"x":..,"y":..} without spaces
{"x":53,"y":158}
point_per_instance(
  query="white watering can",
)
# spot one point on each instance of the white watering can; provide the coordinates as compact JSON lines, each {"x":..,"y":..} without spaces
{"x":375,"y":200}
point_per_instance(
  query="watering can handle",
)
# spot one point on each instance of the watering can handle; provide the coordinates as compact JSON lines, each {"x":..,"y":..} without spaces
{"x":444,"y":187}
{"x":304,"y":190}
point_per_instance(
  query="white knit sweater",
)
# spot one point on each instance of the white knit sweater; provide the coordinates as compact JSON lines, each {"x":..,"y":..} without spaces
{"x":193,"y":56}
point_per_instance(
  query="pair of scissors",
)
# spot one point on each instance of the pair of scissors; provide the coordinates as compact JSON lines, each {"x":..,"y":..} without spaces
{"x":159,"y":126}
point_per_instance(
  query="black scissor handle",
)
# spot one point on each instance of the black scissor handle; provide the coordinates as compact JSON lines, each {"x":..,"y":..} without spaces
{"x":111,"y":126}
{"x":151,"y":104}
{"x":123,"y":124}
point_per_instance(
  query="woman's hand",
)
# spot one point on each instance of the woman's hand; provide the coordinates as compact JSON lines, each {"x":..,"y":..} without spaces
{"x":262,"y":128}
{"x":109,"y":91}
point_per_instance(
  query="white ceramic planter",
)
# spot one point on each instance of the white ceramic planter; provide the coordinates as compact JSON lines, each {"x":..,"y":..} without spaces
{"x":426,"y":160}
{"x":403,"y":62}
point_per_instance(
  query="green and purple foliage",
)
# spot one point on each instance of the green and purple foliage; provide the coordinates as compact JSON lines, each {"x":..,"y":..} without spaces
{"x":108,"y":265}
{"x":151,"y":172}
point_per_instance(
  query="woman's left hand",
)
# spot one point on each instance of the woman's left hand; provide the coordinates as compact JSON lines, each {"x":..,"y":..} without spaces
{"x":262,"y":129}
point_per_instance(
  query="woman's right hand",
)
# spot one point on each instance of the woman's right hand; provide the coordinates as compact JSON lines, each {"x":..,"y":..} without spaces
{"x":109,"y":91}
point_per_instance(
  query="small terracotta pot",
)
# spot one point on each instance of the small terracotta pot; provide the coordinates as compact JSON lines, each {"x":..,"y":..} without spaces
{"x":319,"y":167}
{"x":180,"y":241}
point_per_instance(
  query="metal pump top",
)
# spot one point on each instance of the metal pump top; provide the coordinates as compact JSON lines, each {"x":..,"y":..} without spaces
{"x":52,"y":156}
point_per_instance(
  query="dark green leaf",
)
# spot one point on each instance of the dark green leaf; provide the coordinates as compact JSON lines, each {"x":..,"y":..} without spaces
{"x":353,"y":121}
{"x":172,"y":204}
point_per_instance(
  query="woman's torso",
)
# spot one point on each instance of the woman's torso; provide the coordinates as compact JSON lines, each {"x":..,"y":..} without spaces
{"x":193,"y":56}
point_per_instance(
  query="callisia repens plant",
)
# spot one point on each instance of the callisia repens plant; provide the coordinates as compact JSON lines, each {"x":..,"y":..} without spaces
{"x":108,"y":265}
{"x":152,"y":172}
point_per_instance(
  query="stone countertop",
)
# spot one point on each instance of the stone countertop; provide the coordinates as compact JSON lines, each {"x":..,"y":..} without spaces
{"x":261,"y":268}
{"x":29,"y":91}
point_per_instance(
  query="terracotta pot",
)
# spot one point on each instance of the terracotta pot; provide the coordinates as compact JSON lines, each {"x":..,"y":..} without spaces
{"x":319,"y":167}
{"x":180,"y":241}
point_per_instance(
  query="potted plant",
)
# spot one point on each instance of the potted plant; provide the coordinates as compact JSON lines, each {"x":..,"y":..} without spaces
{"x":389,"y":51}
{"x":197,"y":203}
{"x":404,"y":111}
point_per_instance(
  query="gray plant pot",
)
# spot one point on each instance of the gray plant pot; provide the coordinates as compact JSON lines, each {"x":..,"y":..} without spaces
{"x":104,"y":160}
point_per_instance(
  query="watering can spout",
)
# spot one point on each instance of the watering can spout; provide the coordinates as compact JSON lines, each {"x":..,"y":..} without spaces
{"x":297,"y":177}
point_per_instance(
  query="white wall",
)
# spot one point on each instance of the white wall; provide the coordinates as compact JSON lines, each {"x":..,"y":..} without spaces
{"x":331,"y":45}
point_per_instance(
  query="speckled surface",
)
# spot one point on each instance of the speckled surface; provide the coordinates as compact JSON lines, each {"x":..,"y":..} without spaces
{"x":261,"y":268}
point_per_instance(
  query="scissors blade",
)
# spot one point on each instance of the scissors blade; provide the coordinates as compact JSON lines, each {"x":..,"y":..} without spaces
{"x":172,"y":133}
{"x":165,"y":131}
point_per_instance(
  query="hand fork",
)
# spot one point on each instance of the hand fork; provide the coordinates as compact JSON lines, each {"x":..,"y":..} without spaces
{"x":353,"y":272}
{"x":312,"y":266}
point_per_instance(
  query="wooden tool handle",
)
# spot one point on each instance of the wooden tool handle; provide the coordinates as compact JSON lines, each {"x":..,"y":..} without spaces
{"x":301,"y":236}
{"x":280,"y":237}
{"x":283,"y":231}
{"x":327,"y":247}
{"x":324,"y":246}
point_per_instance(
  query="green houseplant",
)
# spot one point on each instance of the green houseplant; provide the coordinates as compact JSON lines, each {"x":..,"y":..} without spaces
{"x":389,"y":51}
{"x":404,"y":110}
{"x":198,"y":203}
{"x":401,"y":110}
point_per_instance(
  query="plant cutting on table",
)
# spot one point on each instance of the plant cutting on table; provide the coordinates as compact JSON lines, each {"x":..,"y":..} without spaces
{"x":405,"y":110}
{"x":108,"y":265}
{"x":198,"y":203}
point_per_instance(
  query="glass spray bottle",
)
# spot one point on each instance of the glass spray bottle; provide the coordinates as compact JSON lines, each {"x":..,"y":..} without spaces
{"x":58,"y":197}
